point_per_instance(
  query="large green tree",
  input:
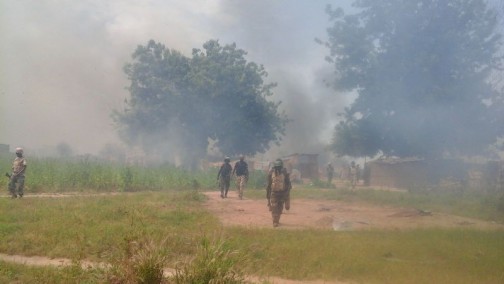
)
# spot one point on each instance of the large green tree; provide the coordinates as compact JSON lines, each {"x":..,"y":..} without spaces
{"x":422,"y":73}
{"x":179,"y":104}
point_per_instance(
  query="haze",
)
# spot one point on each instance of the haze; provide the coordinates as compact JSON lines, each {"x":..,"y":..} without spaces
{"x":61,"y":62}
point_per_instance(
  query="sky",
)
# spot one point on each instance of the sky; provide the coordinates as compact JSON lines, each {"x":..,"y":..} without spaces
{"x":61,"y":63}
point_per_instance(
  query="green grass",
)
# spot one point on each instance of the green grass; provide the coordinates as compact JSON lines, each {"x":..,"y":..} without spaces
{"x":18,"y":273}
{"x":164,"y":208}
{"x":92,"y":174}
{"x":52,"y":226}
{"x":96,"y":227}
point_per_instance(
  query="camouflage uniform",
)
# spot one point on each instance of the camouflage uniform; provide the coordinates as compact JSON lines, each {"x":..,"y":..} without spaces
{"x":330,"y":173}
{"x":353,"y":174}
{"x":224,"y":177}
{"x":241,"y":171}
{"x":17,"y":177}
{"x":278,"y":193}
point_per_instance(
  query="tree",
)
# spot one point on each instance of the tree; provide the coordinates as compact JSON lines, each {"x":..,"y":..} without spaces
{"x":422,"y":71}
{"x":180,"y":103}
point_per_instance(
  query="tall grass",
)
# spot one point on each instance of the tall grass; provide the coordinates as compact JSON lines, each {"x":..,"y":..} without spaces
{"x":213,"y":263}
{"x":92,"y":174}
{"x":142,"y":261}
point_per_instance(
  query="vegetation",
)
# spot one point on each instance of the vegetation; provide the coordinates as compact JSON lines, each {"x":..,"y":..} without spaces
{"x":75,"y":274}
{"x":92,"y":174}
{"x":140,"y":233}
{"x":213,"y":263}
{"x":215,"y":95}
{"x":424,"y":81}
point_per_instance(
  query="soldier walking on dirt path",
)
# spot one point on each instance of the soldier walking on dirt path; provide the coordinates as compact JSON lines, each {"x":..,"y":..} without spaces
{"x":278,"y":191}
{"x":224,"y":177}
{"x":241,"y":171}
{"x":353,"y":174}
{"x":330,"y":173}
{"x":17,"y":177}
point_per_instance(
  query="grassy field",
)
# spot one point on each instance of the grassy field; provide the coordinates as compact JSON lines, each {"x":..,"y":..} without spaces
{"x":162,"y":207}
{"x":98,"y":228}
{"x":89,"y":174}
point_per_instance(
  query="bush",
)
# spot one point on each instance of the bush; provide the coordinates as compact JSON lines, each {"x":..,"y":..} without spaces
{"x":213,"y":263}
{"x":140,"y":262}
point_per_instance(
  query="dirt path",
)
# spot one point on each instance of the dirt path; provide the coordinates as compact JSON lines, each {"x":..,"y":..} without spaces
{"x":334,"y":215}
{"x":62,"y":262}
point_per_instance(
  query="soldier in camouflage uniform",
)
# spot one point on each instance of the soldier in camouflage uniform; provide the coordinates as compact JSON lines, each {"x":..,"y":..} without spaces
{"x":278,"y":191}
{"x":353,"y":174}
{"x":241,"y":171}
{"x":17,"y":177}
{"x":224,"y":177}
{"x":330,"y":173}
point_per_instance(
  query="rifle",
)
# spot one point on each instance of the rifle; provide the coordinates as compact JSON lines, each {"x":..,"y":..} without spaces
{"x":268,"y":196}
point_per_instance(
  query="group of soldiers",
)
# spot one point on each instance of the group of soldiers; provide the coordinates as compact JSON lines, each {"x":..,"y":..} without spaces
{"x":352,"y":174}
{"x":17,"y":176}
{"x":277,"y":189}
{"x":240,"y":171}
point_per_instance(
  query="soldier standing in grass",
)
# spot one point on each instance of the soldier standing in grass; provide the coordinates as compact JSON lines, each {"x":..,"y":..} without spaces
{"x":17,"y":177}
{"x":278,"y":191}
{"x":241,"y":171}
{"x":224,"y":177}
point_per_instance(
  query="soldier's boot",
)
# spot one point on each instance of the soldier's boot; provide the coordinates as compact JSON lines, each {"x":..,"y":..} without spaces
{"x":225,"y":193}
{"x":276,"y":220}
{"x":12,"y":193}
{"x":222,"y":193}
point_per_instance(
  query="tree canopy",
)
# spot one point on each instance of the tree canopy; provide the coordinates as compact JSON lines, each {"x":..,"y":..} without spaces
{"x":179,"y":104}
{"x":422,"y":73}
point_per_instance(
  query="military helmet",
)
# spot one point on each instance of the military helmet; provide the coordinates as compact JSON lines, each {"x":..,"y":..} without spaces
{"x":19,"y":150}
{"x":278,"y":163}
{"x":227,"y":159}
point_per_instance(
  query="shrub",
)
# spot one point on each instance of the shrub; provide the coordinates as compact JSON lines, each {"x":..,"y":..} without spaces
{"x":140,"y":262}
{"x":213,"y":263}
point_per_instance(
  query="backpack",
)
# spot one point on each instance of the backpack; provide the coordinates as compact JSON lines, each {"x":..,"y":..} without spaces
{"x":277,"y":182}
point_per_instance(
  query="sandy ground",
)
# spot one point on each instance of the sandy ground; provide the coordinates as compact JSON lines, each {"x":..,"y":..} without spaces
{"x":333,"y":215}
{"x":304,"y":214}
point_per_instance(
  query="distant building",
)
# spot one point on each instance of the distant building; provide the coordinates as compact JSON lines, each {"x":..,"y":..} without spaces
{"x":306,"y":164}
{"x":413,"y":172}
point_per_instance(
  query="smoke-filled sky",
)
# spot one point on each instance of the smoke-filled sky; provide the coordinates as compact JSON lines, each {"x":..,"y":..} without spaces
{"x":61,"y":62}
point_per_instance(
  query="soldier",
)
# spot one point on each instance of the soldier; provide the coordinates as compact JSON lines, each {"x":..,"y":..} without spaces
{"x":330,"y":173}
{"x":353,"y":174}
{"x":278,"y":191}
{"x":241,"y":171}
{"x":224,"y":177}
{"x":17,"y":176}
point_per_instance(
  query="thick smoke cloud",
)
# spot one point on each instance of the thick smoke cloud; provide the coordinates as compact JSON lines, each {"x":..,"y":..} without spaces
{"x":61,"y":62}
